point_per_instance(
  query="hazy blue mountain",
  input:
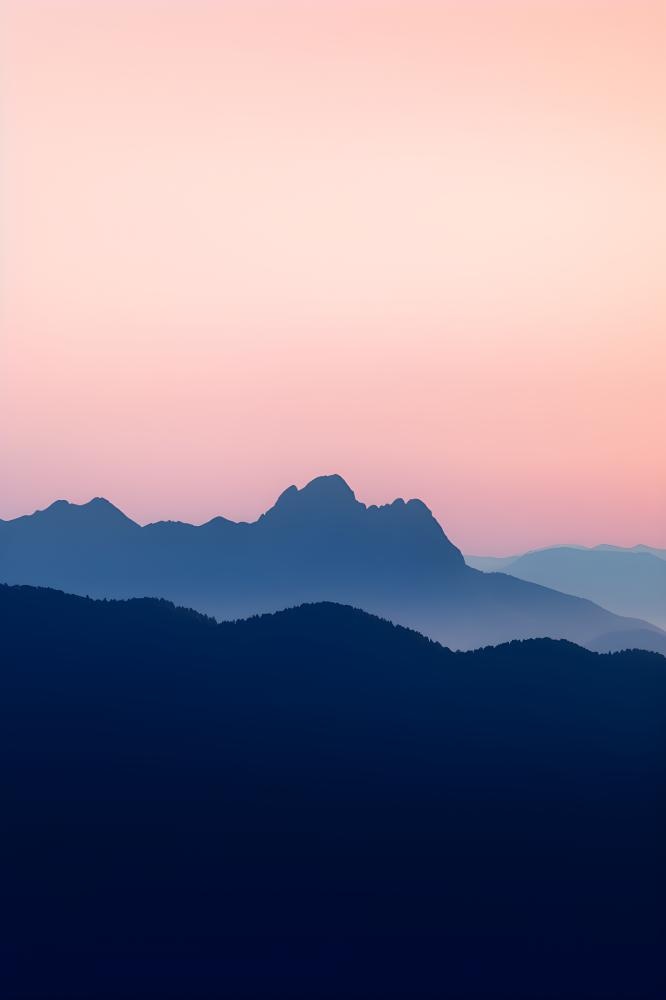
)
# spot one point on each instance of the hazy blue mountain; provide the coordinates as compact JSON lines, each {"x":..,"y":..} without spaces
{"x":318,"y":804}
{"x":617,"y":641}
{"x":490,"y":564}
{"x":316,"y":544}
{"x":660,"y":553}
{"x":626,"y":581}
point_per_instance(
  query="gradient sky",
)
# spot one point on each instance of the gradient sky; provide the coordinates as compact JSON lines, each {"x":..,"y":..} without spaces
{"x":420,"y":244}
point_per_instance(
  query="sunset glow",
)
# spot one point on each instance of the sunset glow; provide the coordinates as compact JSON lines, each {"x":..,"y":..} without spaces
{"x":420,"y":244}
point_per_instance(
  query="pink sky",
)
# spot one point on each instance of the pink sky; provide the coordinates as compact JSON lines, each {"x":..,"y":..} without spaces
{"x":420,"y":244}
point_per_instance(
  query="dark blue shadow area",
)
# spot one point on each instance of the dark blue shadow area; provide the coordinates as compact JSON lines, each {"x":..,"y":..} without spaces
{"x":319,"y":804}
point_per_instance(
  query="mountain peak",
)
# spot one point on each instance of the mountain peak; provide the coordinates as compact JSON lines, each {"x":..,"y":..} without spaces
{"x":97,"y":511}
{"x":325,"y":495}
{"x":333,"y":487}
{"x":101,"y":504}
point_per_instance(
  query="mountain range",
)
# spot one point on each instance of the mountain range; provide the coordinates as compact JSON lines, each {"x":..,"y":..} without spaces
{"x":317,"y":804}
{"x":318,"y":543}
{"x":627,"y":581}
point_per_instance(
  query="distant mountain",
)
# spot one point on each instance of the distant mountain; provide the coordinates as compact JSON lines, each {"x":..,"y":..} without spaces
{"x":626,"y":581}
{"x":318,"y":804}
{"x":316,"y":544}
{"x":659,"y":553}
{"x":490,"y":564}
{"x":617,"y":641}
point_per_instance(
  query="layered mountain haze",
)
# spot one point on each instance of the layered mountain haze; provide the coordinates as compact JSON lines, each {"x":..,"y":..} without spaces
{"x":659,"y":553}
{"x":318,"y":543}
{"x":627,"y":581}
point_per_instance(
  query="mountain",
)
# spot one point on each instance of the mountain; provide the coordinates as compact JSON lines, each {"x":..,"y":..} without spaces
{"x":490,"y":564}
{"x":318,"y":543}
{"x":317,"y":804}
{"x":659,"y":553}
{"x":616,"y":641}
{"x":626,"y":581}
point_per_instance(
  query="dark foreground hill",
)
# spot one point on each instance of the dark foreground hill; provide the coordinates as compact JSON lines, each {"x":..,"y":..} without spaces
{"x":317,"y":804}
{"x":315,"y":544}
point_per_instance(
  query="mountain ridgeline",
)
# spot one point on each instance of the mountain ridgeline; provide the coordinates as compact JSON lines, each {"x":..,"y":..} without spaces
{"x":625,"y":581}
{"x":318,"y":543}
{"x":317,"y":804}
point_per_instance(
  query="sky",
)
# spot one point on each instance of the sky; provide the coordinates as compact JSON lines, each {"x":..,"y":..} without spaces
{"x":419,"y":244}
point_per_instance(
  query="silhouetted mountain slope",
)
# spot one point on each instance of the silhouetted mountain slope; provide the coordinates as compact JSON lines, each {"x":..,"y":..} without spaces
{"x":490,"y":564}
{"x":320,"y":804}
{"x":626,"y":581}
{"x":617,"y":641}
{"x":660,"y":553}
{"x":316,"y":544}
